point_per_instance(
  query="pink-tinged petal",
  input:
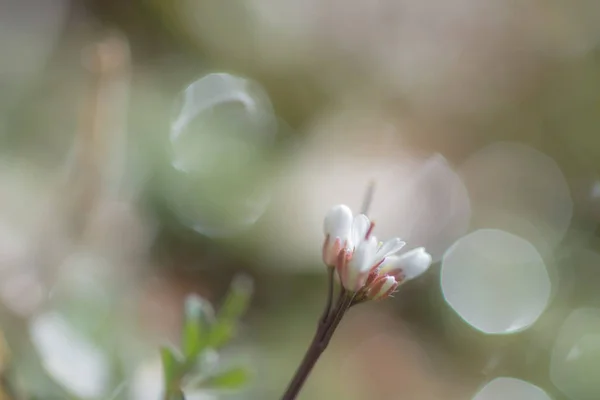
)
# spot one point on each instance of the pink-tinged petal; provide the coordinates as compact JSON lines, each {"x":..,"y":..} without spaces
{"x":349,"y":277}
{"x":342,"y":266}
{"x":331,"y":250}
{"x":376,"y":264}
{"x":382,"y":288}
{"x":372,"y":277}
{"x":377,"y":284}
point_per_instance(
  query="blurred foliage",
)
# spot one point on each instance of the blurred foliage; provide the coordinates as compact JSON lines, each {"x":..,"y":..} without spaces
{"x":203,"y":333}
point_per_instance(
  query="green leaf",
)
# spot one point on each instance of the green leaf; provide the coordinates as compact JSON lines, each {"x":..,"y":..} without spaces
{"x":171,"y":367}
{"x":232,"y":379}
{"x":198,"y":317}
{"x":221,"y":333}
{"x":238,"y":298}
{"x":235,"y":304}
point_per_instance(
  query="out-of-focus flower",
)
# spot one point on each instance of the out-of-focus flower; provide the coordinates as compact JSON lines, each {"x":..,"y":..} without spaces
{"x":369,"y":268}
{"x":73,"y":361}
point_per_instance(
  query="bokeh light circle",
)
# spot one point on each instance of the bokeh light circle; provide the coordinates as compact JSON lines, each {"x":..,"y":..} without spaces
{"x":497,"y":282}
{"x":510,"y":388}
{"x":576,"y":355}
{"x":220,"y":140}
{"x":518,"y":189}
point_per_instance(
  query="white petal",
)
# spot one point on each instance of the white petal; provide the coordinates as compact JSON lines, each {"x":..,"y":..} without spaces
{"x":361,"y":262}
{"x":360,"y":227}
{"x":414,"y":262}
{"x":391,"y":264}
{"x":390,"y":247}
{"x":338,"y":222}
{"x":368,"y":249}
{"x":387,"y":285}
{"x":389,"y":282}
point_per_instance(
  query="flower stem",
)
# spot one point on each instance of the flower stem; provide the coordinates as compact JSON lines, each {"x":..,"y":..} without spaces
{"x":325,"y":330}
{"x":345,"y":303}
{"x":327,"y":310}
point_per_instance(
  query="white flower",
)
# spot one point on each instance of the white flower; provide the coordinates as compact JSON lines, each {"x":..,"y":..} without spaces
{"x":363,"y":264}
{"x":355,"y":252}
{"x":366,"y":259}
{"x":337,"y":228}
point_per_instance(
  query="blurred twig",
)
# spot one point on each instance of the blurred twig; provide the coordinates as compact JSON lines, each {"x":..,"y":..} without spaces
{"x":368,"y":199}
{"x":93,"y":174}
{"x":95,"y":171}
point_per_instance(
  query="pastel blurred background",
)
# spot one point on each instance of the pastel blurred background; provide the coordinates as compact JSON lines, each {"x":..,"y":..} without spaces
{"x":150,"y":149}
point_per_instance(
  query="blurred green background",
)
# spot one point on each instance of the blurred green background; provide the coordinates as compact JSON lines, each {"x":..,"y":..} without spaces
{"x":151,"y":149}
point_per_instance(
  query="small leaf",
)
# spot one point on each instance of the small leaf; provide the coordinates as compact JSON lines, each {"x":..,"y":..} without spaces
{"x":198,"y":317}
{"x":232,"y":379}
{"x":171,"y":366}
{"x":221,"y":333}
{"x":235,"y":304}
{"x":238,"y":299}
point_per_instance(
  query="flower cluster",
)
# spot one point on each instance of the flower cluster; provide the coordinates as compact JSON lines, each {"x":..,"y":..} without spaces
{"x":372,"y":270}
